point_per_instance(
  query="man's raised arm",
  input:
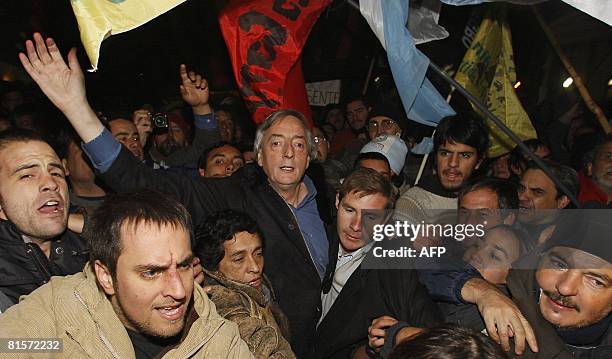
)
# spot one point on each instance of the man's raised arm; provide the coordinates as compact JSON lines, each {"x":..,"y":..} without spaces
{"x":63,"y":84}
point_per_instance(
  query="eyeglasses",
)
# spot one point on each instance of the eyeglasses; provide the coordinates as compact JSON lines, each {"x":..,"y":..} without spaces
{"x":319,"y":139}
{"x":385,"y":124}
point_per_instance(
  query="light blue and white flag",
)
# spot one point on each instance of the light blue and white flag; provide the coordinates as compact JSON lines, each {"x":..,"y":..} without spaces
{"x":420,"y":98}
{"x":599,"y":9}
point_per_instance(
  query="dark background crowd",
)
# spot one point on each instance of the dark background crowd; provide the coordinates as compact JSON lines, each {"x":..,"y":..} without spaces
{"x":150,"y":217}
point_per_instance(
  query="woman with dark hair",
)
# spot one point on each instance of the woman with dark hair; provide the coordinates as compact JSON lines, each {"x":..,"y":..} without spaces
{"x":230,"y":248}
{"x":448,"y":342}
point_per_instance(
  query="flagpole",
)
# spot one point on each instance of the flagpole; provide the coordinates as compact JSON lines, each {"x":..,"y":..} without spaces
{"x":367,"y":81}
{"x":505,"y":130}
{"x":584,"y":92}
{"x":498,"y":123}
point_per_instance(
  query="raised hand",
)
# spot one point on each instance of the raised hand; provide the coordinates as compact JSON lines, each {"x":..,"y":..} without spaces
{"x":63,"y":84}
{"x":142,"y":119}
{"x":194,"y":90}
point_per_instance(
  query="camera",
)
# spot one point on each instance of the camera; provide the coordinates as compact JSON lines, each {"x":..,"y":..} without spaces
{"x":160,"y":121}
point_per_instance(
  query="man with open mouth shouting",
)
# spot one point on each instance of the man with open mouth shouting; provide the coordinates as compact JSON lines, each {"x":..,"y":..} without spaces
{"x":136,"y":298}
{"x":34,"y":242}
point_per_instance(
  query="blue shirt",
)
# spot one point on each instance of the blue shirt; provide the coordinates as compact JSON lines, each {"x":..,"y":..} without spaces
{"x":312,"y":228}
{"x":104,"y":149}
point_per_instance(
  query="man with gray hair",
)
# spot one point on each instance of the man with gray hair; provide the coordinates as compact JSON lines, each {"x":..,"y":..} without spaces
{"x":275,"y":191}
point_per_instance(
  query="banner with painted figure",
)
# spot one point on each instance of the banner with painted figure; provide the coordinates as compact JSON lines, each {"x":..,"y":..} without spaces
{"x":265,"y":40}
{"x":488,"y":72}
{"x":99,"y":19}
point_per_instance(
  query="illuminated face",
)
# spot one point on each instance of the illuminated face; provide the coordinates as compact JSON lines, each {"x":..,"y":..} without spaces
{"x":222,"y":162}
{"x":243,"y":260}
{"x":537,"y":193}
{"x":356,"y":114}
{"x":226,"y":125}
{"x":153,"y":283}
{"x":571,"y":296}
{"x":455,"y":164}
{"x":602,"y":168}
{"x":501,"y":168}
{"x":321,"y":143}
{"x":482,"y":207}
{"x":177,"y":134}
{"x":493,"y":256}
{"x":350,"y":220}
{"x":126,"y":133}
{"x":284,"y":153}
{"x":33,"y":189}
{"x":381,"y":125}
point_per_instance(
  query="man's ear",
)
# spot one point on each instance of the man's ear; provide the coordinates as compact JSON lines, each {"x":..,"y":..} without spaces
{"x":202,"y":172}
{"x":258,"y":158}
{"x":589,"y":169}
{"x":337,"y":200}
{"x":65,"y":164}
{"x":2,"y":214}
{"x":104,"y":277}
{"x":563,"y":201}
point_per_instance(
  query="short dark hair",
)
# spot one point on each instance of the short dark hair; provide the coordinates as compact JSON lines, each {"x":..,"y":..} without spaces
{"x":565,"y":174}
{"x":517,"y":160}
{"x":103,"y":232}
{"x":218,"y":228}
{"x":448,"y":342}
{"x":371,"y":156}
{"x":12,"y":135}
{"x":465,"y":128}
{"x":366,"y":181}
{"x":534,"y":144}
{"x":204,"y":156}
{"x":506,"y":191}
{"x":356,"y":97}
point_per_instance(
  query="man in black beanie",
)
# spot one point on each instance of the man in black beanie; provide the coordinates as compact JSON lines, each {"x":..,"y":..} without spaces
{"x":385,"y":119}
{"x":567,"y":297}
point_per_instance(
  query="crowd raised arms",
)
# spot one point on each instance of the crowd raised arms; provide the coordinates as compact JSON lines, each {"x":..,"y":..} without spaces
{"x":177,"y":232}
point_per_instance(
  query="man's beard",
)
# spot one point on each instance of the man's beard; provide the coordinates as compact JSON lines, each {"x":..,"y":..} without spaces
{"x":168,"y":147}
{"x":602,"y":182}
{"x":144,"y":328}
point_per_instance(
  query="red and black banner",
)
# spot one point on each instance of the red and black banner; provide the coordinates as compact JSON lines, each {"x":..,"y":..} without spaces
{"x":265,"y":39}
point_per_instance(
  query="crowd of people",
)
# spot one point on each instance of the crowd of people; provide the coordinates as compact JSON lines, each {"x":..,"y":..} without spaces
{"x":183,"y":233}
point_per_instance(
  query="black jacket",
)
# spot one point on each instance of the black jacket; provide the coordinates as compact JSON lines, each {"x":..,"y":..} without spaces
{"x":524,"y":290}
{"x":369,"y":294}
{"x":24,"y":267}
{"x":288,"y":262}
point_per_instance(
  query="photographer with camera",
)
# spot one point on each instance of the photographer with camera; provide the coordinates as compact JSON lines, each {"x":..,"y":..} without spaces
{"x":171,"y":147}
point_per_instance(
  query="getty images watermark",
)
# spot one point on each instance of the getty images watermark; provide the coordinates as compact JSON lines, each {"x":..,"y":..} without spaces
{"x":481,"y":238}
{"x":412,"y":231}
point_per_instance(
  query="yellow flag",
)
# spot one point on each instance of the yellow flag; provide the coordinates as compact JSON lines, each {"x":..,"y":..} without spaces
{"x":487,"y":71}
{"x":99,"y":19}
